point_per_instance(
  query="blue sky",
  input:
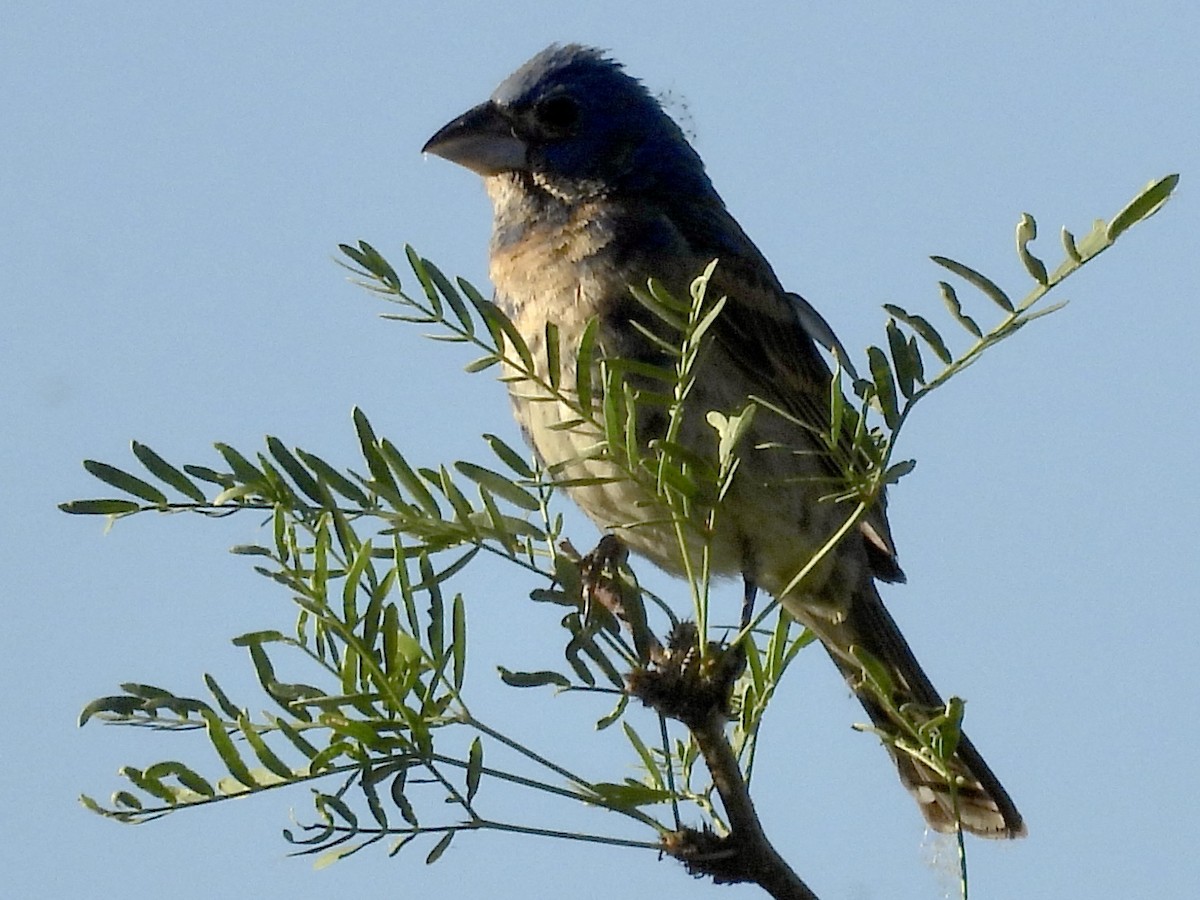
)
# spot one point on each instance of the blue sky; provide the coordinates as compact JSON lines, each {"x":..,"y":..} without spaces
{"x":175,"y":184}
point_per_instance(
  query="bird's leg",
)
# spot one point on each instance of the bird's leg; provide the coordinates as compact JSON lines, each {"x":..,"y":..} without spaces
{"x":601,"y":582}
{"x":749,"y":592}
{"x":597,"y":573}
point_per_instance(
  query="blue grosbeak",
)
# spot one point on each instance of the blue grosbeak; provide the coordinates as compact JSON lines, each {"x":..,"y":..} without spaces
{"x":594,"y":189}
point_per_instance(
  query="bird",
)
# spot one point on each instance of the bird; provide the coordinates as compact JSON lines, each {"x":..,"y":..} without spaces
{"x":595,"y":189}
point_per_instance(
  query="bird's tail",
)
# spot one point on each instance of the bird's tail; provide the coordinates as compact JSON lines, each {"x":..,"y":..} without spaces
{"x":983,"y":806}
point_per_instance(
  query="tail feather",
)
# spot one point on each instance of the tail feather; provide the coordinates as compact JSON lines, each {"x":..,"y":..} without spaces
{"x":984,"y":807}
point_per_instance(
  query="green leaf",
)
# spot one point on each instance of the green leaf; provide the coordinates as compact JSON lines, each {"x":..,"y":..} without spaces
{"x":395,"y":658}
{"x":418,"y":265}
{"x":478,"y":365}
{"x":363,"y":733}
{"x":730,"y":431}
{"x":100,"y":507}
{"x":898,"y":470}
{"x":439,"y":848}
{"x":553,"y":355}
{"x":152,"y":786}
{"x":885,"y":387}
{"x":319,"y":576}
{"x":914,"y":350}
{"x":631,"y":402}
{"x":355,"y":255}
{"x":582,"y":648}
{"x":346,"y":537}
{"x":463,"y":510}
{"x":242,"y":468}
{"x":1143,"y":206}
{"x":875,"y":672}
{"x":415,"y":487}
{"x":942,"y":733}
{"x":1068,"y":242}
{"x":907,"y":369}
{"x":268,"y":636}
{"x":187,"y":777}
{"x":298,"y":473}
{"x":647,"y":757}
{"x":399,"y":798}
{"x":1044,"y":311}
{"x":509,"y":456}
{"x":533,"y":679}
{"x":400,"y":843}
{"x":950,"y":298}
{"x":204,"y":473}
{"x":326,"y":803}
{"x":370,"y":779}
{"x":450,"y":295}
{"x":118,"y":705}
{"x":557,"y":597}
{"x":629,"y":795}
{"x":615,"y":418}
{"x":585,"y":361}
{"x":120,"y":798}
{"x":147,"y":691}
{"x":350,"y":585}
{"x":400,"y":649}
{"x":923,"y":330}
{"x":223,"y":744}
{"x":706,"y":321}
{"x":503,"y":330}
{"x":669,"y":348}
{"x":460,"y":309}
{"x":471,"y":291}
{"x":166,"y":473}
{"x":382,"y":482}
{"x":223,"y":701}
{"x":502,"y":487}
{"x":123,"y":481}
{"x":278,"y":490}
{"x":792,"y":646}
{"x":329,"y":857}
{"x":617,"y":712}
{"x":474,"y":768}
{"x":283,"y":693}
{"x":327,"y":757}
{"x":284,"y":532}
{"x":264,"y":753}
{"x":1026,"y":232}
{"x":1095,"y":241}
{"x":656,"y":300}
{"x":458,"y":641}
{"x":624,"y":369}
{"x":837,"y":407}
{"x":979,"y":280}
{"x":295,"y":737}
{"x":250,"y":550}
{"x":373,"y":262}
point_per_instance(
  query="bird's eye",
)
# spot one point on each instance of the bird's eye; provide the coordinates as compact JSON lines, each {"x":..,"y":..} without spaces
{"x":557,"y":113}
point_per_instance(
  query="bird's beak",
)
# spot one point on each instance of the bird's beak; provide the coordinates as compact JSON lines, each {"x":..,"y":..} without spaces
{"x":482,"y":140}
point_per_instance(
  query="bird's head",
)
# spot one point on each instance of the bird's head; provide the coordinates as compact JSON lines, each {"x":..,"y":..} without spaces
{"x":572,"y":121}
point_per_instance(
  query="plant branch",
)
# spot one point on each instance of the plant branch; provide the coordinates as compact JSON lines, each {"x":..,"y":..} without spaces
{"x":695,"y":689}
{"x":751,"y":857}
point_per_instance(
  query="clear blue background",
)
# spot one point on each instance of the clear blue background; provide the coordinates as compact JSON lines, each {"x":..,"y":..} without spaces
{"x":173,"y":182}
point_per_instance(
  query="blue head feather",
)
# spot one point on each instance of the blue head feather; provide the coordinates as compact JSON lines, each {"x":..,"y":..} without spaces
{"x":618,"y":137}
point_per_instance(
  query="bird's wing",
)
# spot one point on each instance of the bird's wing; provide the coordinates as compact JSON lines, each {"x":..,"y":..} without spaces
{"x":820,"y":331}
{"x":772,"y":337}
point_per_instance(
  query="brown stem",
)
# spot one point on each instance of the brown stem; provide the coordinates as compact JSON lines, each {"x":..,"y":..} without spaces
{"x":683,"y":685}
{"x":756,"y":859}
